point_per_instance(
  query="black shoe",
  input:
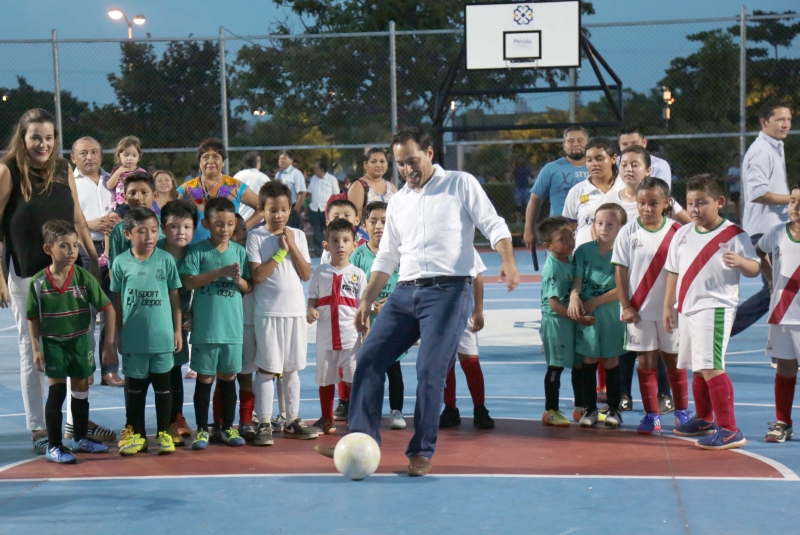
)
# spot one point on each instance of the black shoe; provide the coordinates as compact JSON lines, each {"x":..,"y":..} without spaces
{"x":665,"y":404}
{"x":342,"y":410}
{"x":450,"y":417}
{"x":625,"y":403}
{"x":481,"y":418}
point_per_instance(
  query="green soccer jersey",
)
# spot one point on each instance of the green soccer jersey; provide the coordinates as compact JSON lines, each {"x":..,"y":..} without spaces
{"x":64,"y":312}
{"x":363,"y":258}
{"x":556,"y":282}
{"x":185,"y":295}
{"x":146,"y":310}
{"x":595,"y":271}
{"x":217,"y":307}
{"x":117,"y":243}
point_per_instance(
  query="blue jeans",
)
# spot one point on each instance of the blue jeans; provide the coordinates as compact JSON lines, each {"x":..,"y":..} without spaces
{"x":317,"y":220}
{"x":436,"y":316}
{"x":756,"y":306}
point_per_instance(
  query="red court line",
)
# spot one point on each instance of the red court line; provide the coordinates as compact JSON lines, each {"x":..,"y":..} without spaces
{"x":494,"y":279}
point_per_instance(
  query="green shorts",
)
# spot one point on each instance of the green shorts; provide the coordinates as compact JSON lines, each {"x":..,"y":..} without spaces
{"x":68,"y":358}
{"x":606,"y":338}
{"x":558,"y":337}
{"x":182,"y":356}
{"x":211,"y":359}
{"x":141,"y":365}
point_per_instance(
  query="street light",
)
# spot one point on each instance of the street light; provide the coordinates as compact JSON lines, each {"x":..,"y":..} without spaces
{"x":117,"y":14}
{"x":668,"y":99}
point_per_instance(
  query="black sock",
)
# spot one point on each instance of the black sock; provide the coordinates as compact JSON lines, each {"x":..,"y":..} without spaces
{"x":589,"y":382}
{"x":126,"y":395}
{"x":135,"y":403}
{"x":163,"y":397}
{"x":663,"y":378}
{"x":613,"y":387}
{"x":176,"y":387}
{"x":396,"y":388}
{"x":52,"y":413}
{"x":552,"y":384}
{"x":227,"y":395}
{"x":202,"y":397}
{"x":627,"y":364}
{"x":577,"y":387}
{"x":80,"y":418}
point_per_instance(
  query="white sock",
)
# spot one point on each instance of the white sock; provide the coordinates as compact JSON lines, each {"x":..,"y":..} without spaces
{"x":69,"y":402}
{"x":264,"y":391}
{"x":281,"y":398}
{"x":291,"y":392}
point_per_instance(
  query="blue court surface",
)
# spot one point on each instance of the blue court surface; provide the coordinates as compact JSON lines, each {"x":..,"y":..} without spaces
{"x":573,"y":481}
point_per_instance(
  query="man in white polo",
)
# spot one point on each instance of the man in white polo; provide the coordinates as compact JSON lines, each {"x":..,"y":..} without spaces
{"x":253,"y":177}
{"x":296,"y":182}
{"x":322,"y":187}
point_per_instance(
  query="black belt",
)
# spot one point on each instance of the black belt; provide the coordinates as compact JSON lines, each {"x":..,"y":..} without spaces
{"x":430,"y":281}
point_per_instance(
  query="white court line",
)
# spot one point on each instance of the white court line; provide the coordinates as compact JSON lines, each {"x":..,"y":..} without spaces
{"x":505,"y":301}
{"x":8,"y":328}
{"x":749,"y":351}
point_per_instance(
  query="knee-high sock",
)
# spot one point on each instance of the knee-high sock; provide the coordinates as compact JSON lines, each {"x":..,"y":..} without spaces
{"x":614,"y":390}
{"x":52,"y":413}
{"x":80,"y":414}
{"x":163,"y":394}
{"x":721,"y":390}
{"x":477,"y":389}
{"x":679,"y":381}
{"x":601,"y":378}
{"x":784,"y":396}
{"x":281,"y":397}
{"x":69,"y":402}
{"x":137,"y":397}
{"x":577,"y":387}
{"x":176,"y":387}
{"x":627,"y":363}
{"x":663,"y":378}
{"x":344,"y":394}
{"x":589,"y":382}
{"x":247,"y":401}
{"x":396,"y":387}
{"x":291,"y":391}
{"x":326,"y":394}
{"x":648,"y":385}
{"x":702,"y":399}
{"x":552,"y":385}
{"x":216,"y":405}
{"x":227,"y":395}
{"x":264,"y":392}
{"x":450,"y":388}
{"x":202,"y":397}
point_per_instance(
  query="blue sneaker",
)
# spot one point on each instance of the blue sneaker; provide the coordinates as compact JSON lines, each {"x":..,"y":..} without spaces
{"x":200,"y":440}
{"x":231,"y":437}
{"x":59,"y":455}
{"x":650,"y":423}
{"x":87,"y":445}
{"x":696,"y":427}
{"x":722,"y":440}
{"x":682,"y":417}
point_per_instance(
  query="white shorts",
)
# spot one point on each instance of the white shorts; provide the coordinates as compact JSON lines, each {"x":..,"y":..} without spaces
{"x":468,"y":345}
{"x":783,"y":342}
{"x":249,"y":350}
{"x":329,"y":362}
{"x":704,"y":338}
{"x":281,"y":343}
{"x":650,"y":335}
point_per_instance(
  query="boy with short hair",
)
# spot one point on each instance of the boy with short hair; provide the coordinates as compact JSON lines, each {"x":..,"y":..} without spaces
{"x":217,"y":269}
{"x":58,"y":313}
{"x":149,"y":324}
{"x":139,"y":190}
{"x":280,"y":263}
{"x":333,"y":297}
{"x":704,"y":262}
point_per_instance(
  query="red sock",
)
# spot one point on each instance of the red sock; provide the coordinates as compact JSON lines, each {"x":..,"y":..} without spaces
{"x":247,"y":402}
{"x":326,"y":401}
{"x":344,"y":392}
{"x":702,"y":399}
{"x":472,"y":369}
{"x":784,"y":396}
{"x":217,"y":405}
{"x":721,"y":390}
{"x":648,"y":385}
{"x":450,"y":388}
{"x":346,"y":389}
{"x":679,"y":382}
{"x":601,"y":378}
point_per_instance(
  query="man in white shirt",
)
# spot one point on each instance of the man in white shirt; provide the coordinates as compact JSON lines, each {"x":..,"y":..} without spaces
{"x":765,"y":193}
{"x":95,"y":200}
{"x":253,"y":177}
{"x":294,"y":179}
{"x":659,"y":168}
{"x":430,"y":226}
{"x":322,"y":187}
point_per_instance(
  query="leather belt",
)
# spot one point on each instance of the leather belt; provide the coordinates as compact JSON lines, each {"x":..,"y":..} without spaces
{"x":430,"y":281}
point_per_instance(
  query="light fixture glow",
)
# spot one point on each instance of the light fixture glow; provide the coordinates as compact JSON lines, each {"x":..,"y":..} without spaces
{"x":115,"y":13}
{"x":139,"y":19}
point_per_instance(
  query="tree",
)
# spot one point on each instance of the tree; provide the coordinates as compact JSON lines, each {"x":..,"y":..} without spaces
{"x":772,"y":31}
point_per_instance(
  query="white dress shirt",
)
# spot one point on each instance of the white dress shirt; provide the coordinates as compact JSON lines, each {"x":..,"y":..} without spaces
{"x":95,"y":199}
{"x":254,"y":180}
{"x":321,"y":189}
{"x":430,"y":231}
{"x":294,"y":179}
{"x":659,"y":168}
{"x":763,"y":170}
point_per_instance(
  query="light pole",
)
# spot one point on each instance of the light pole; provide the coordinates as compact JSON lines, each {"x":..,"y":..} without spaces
{"x":669,"y":100}
{"x":117,"y":14}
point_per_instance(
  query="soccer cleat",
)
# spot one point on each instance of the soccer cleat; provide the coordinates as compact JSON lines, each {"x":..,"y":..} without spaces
{"x":481,"y":418}
{"x":87,"y":445}
{"x":41,"y":445}
{"x":588,"y":419}
{"x":165,"y":443}
{"x":602,"y":395}
{"x":449,"y":417}
{"x":100,"y":433}
{"x":601,"y":417}
{"x":215,"y":436}
{"x":613,"y":419}
{"x":299,"y":430}
{"x":247,"y":431}
{"x":232,"y":438}
{"x":342,"y":410}
{"x":555,"y":419}
{"x":682,"y":416}
{"x":279,"y":421}
{"x":722,"y":440}
{"x":183,"y":427}
{"x":135,"y":444}
{"x":254,"y":419}
{"x":650,"y":423}
{"x":59,"y":455}
{"x":396,"y":420}
{"x":324,"y":427}
{"x":665,"y":404}
{"x":696,"y":427}
{"x":177,"y":439}
{"x":577,"y":412}
{"x":779,"y":432}
{"x":200,"y":440}
{"x":264,"y":435}
{"x":125,"y":435}
{"x":625,"y":403}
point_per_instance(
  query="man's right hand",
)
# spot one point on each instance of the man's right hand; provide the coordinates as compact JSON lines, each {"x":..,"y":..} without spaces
{"x":361,"y":321}
{"x":529,"y":237}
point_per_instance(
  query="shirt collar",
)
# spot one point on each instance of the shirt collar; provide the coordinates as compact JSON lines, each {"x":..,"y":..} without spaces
{"x":78,"y":175}
{"x":288,"y":170}
{"x":438,"y":172}
{"x":777,"y":144}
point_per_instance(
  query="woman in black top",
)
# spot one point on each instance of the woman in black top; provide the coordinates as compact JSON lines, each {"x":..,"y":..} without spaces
{"x":36,"y":186}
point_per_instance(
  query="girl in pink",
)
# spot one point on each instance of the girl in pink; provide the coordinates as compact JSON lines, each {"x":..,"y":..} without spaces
{"x":127,"y":156}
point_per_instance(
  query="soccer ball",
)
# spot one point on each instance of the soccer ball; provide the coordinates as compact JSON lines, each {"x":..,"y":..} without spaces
{"x":357,"y":456}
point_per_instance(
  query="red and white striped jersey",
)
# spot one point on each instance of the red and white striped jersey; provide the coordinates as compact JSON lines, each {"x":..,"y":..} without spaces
{"x":339,"y":294}
{"x":784,"y":307}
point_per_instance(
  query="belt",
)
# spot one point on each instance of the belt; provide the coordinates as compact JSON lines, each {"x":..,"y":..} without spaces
{"x":430,"y":281}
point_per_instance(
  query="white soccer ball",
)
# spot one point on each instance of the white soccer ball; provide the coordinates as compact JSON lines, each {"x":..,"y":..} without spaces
{"x":357,"y":456}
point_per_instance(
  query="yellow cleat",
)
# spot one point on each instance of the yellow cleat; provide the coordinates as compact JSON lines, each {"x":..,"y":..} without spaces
{"x":177,"y":439}
{"x":165,"y":443}
{"x":125,"y":435}
{"x":555,"y":419}
{"x":134,"y":445}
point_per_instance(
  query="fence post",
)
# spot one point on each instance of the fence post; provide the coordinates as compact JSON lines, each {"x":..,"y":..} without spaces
{"x":573,"y":97}
{"x":223,"y":84}
{"x":57,"y":93}
{"x":393,"y":83}
{"x":742,"y":83}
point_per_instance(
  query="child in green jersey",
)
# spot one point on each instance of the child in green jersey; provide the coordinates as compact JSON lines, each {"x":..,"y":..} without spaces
{"x":218,"y":271}
{"x":145,"y":283}
{"x":58,"y":313}
{"x":139,"y":188}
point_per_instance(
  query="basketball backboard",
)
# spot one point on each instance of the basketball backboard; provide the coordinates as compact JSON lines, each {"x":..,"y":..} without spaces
{"x":523,"y":35}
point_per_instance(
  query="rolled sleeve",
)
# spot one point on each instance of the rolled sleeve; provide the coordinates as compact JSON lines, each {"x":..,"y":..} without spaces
{"x":388,"y":257}
{"x":482,"y":212}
